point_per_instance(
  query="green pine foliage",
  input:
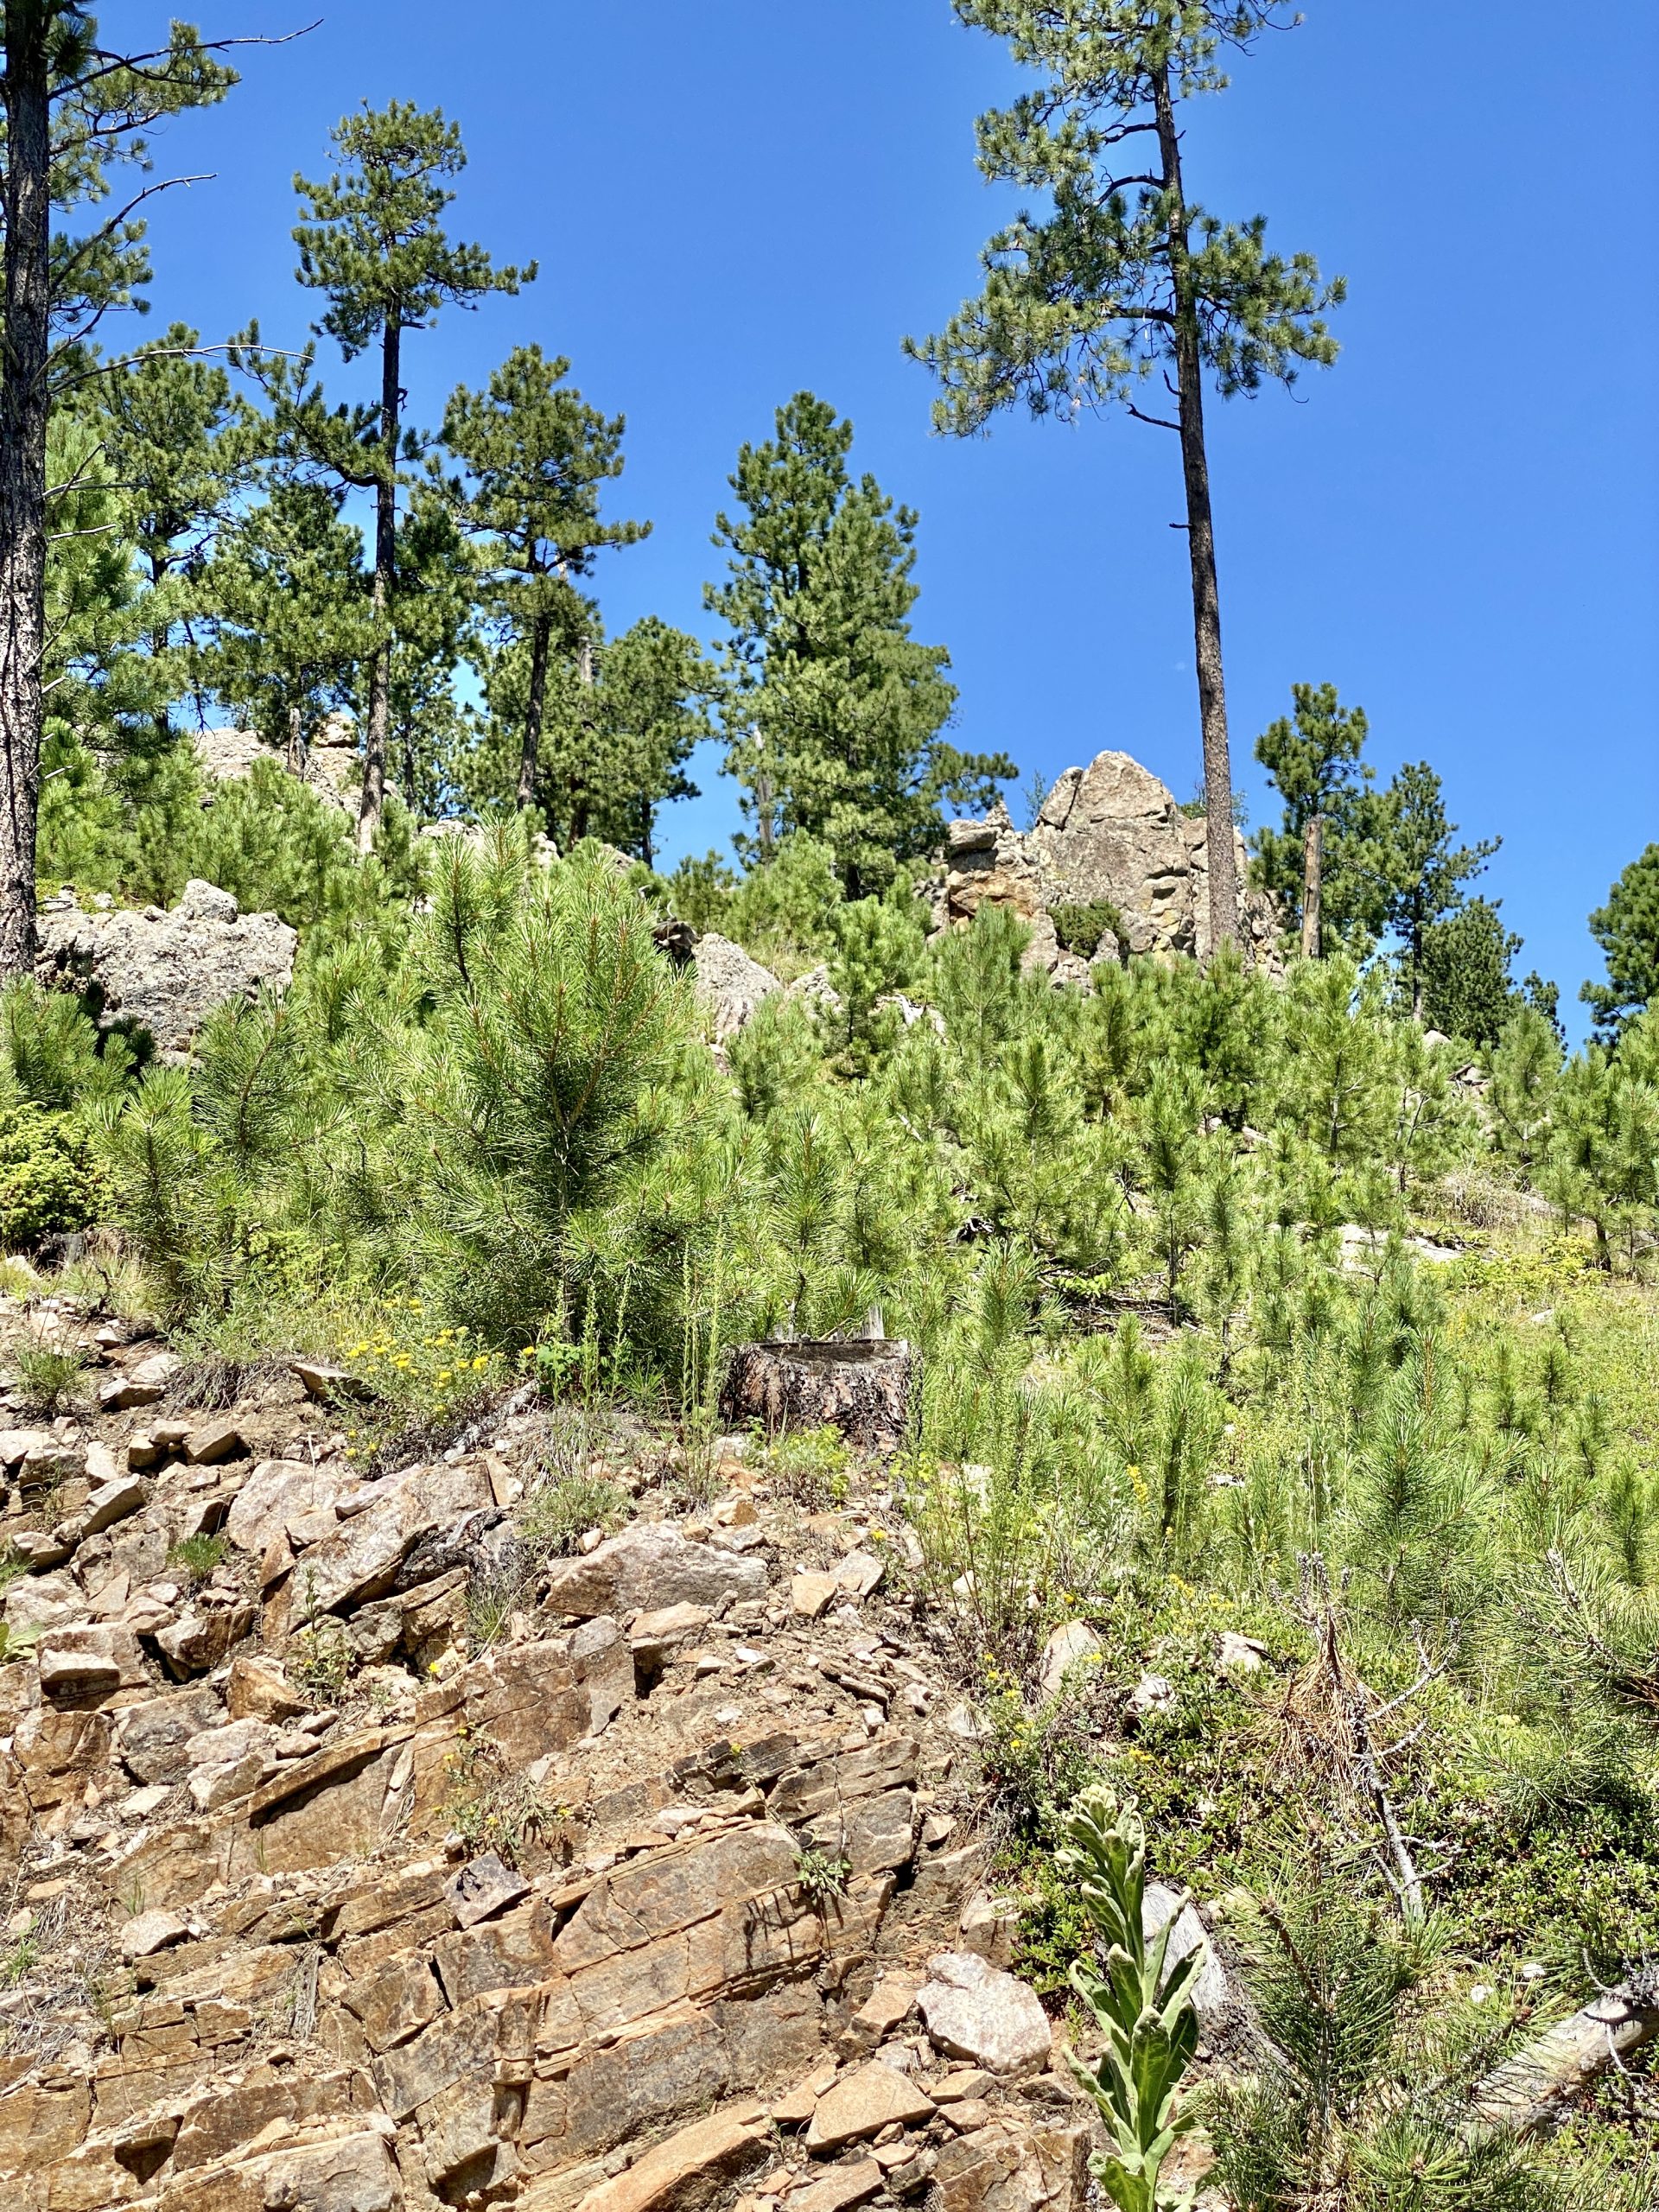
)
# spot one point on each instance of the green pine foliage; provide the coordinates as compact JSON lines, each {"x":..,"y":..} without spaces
{"x":834,"y":713}
{"x":1627,"y":929}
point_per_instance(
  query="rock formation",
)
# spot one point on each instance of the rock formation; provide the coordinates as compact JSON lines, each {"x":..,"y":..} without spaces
{"x":335,"y":1890}
{"x":330,"y":767}
{"x":1107,"y":834}
{"x":160,"y":971}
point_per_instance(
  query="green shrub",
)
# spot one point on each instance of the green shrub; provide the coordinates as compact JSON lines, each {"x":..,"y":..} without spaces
{"x":1080,"y":926}
{"x":48,"y":1180}
{"x":48,"y":1378}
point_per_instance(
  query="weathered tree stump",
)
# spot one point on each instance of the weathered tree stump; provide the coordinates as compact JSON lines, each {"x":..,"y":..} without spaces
{"x":863,"y":1387}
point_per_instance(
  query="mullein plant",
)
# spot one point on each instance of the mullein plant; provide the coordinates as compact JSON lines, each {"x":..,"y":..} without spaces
{"x":1141,"y":2004}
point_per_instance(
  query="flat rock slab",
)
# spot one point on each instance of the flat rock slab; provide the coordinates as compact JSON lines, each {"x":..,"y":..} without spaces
{"x":687,"y":2171}
{"x":976,"y":2012}
{"x":846,"y":2186}
{"x":650,"y":1567}
{"x":863,"y":2103}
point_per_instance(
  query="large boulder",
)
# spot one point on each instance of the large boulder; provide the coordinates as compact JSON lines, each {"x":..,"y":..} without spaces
{"x":329,"y":766}
{"x":1109,"y":835}
{"x":729,"y":986}
{"x":164,"y":972}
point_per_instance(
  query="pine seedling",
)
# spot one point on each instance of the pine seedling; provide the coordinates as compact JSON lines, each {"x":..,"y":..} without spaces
{"x":1142,"y":2005}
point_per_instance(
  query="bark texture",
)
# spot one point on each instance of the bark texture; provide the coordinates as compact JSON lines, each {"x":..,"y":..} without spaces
{"x":23,"y":402}
{"x":1528,"y":2090}
{"x":1312,"y":884}
{"x":1200,"y":538}
{"x":864,"y":1388}
{"x":385,"y":577}
{"x":535,"y":707}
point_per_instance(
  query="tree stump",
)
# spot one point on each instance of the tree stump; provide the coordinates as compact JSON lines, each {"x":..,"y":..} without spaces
{"x":863,"y":1387}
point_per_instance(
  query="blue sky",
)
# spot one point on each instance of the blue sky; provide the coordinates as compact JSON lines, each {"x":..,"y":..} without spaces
{"x":733,"y":200}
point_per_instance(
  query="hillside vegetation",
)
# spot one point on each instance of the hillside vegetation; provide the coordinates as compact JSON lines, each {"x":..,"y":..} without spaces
{"x":1242,"y":1311}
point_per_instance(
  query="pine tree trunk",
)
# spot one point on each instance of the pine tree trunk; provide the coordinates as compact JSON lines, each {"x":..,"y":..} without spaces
{"x":1200,"y":541}
{"x":535,"y":707}
{"x":385,"y":576}
{"x":581,"y":802}
{"x":1312,"y":884}
{"x":24,"y":403}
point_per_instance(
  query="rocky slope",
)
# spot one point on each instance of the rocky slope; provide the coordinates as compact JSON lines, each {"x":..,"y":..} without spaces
{"x":359,"y":1855}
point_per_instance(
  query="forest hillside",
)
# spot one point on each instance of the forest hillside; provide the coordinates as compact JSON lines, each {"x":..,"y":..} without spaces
{"x":955,"y":1510}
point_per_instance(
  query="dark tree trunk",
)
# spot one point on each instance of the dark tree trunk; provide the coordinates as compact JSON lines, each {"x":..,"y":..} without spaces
{"x":385,"y":577}
{"x":1200,"y":540}
{"x":1312,"y":884}
{"x":23,"y":400}
{"x":540,"y":636}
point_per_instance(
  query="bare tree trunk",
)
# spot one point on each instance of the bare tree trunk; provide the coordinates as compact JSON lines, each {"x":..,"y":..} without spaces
{"x":1200,"y":541}
{"x":535,"y":708}
{"x":23,"y":402}
{"x":385,"y":577}
{"x":1312,"y":884}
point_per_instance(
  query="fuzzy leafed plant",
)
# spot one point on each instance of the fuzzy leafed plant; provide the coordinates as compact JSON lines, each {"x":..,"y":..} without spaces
{"x":1142,"y":2006}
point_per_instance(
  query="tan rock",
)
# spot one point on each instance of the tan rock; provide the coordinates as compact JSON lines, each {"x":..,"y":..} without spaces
{"x":212,"y":1441}
{"x":395,"y":2002}
{"x":111,"y":1501}
{"x":847,"y":2185}
{"x":976,"y":2012}
{"x":150,"y":1932}
{"x":811,"y":1593}
{"x":81,"y":1664}
{"x":888,"y":2006}
{"x":279,"y":1490}
{"x":153,"y":1739}
{"x":858,"y":1574}
{"x":863,"y":2102}
{"x":685,"y":2172}
{"x":795,"y":2108}
{"x":1010,"y":2168}
{"x":651,"y":1566}
{"x":259,"y":1691}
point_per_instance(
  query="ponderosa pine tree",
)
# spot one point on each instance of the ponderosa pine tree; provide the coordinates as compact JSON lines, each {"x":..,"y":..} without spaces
{"x":1419,"y":872}
{"x":619,"y":720}
{"x":1314,"y":762}
{"x":182,"y":449}
{"x":75,"y":109}
{"x":1627,"y":929}
{"x":533,"y":457}
{"x":1468,"y":985}
{"x":834,"y":711}
{"x":433,"y":613}
{"x":375,"y":243}
{"x":292,"y":616}
{"x":1082,"y":306}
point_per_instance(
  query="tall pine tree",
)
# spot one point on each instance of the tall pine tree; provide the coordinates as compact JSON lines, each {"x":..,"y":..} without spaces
{"x":1127,"y":278}
{"x":533,"y":456}
{"x":75,"y":109}
{"x":1312,"y":861}
{"x":834,"y":711}
{"x":374,"y":243}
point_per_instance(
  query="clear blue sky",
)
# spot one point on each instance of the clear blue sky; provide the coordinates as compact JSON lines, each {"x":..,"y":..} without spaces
{"x":733,"y":200}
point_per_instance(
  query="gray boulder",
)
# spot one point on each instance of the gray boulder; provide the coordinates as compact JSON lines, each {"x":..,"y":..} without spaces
{"x":651,"y":1567}
{"x":160,"y":971}
{"x":1108,"y":833}
{"x":976,"y":2012}
{"x":729,"y":986}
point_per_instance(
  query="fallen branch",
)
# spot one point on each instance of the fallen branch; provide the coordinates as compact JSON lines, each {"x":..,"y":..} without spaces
{"x":1524,"y":2095}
